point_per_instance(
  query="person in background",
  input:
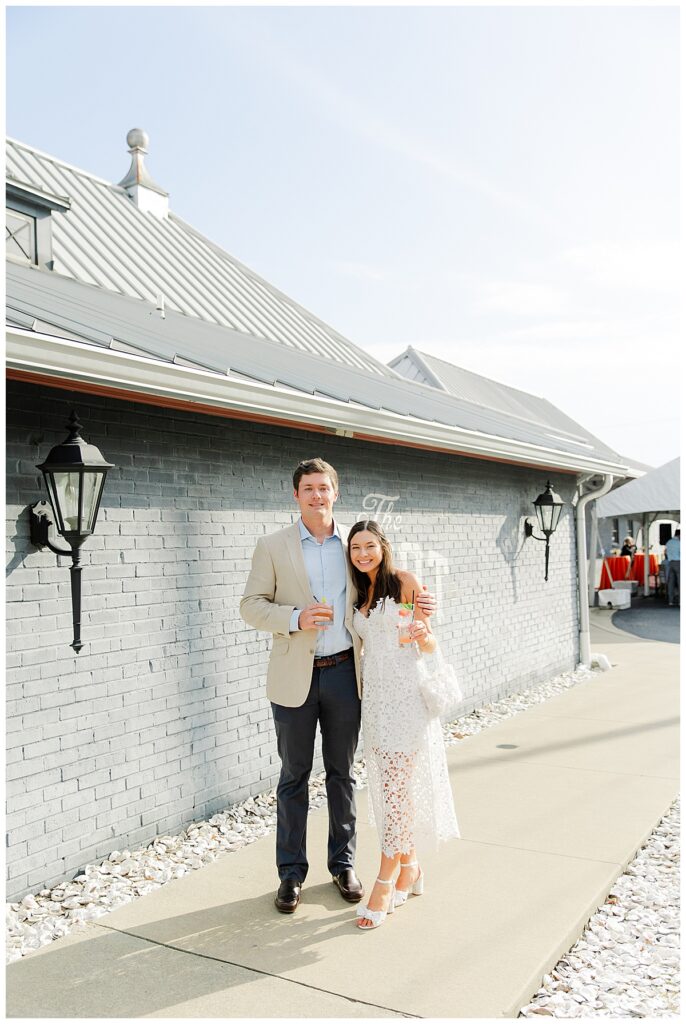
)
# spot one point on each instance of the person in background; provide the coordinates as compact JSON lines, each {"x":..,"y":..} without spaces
{"x":628,"y":547}
{"x":673,"y":557}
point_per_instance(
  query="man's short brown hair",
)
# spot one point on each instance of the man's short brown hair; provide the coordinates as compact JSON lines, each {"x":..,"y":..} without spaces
{"x":310,"y":466}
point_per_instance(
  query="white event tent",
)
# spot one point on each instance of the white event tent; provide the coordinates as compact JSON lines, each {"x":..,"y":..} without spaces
{"x":657,"y":494}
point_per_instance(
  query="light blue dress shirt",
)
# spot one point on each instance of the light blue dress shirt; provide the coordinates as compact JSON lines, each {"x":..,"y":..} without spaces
{"x":673,"y":549}
{"x":325,"y":565}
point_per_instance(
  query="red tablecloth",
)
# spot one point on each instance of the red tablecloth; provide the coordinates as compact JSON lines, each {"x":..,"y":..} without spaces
{"x":619,"y":566}
{"x":637,"y":567}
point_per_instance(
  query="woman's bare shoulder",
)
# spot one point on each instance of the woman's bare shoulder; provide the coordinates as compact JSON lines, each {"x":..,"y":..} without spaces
{"x":409,"y":583}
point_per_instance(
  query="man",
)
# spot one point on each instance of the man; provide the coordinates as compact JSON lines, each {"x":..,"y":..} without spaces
{"x":673,"y":556}
{"x":298,"y":576}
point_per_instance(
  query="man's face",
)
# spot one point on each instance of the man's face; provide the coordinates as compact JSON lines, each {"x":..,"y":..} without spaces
{"x":316,"y":496}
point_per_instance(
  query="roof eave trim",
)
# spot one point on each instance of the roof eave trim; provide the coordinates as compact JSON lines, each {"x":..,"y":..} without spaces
{"x":41,"y":354}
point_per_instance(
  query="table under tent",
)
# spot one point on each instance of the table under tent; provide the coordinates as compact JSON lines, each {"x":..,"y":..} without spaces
{"x":653,"y":496}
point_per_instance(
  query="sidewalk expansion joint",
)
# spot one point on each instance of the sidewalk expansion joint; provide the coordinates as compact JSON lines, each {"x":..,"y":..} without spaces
{"x":544,"y":853}
{"x":578,"y":768}
{"x":256,"y":970}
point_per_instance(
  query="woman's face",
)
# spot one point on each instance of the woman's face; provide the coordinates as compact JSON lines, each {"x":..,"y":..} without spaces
{"x":366,"y":553}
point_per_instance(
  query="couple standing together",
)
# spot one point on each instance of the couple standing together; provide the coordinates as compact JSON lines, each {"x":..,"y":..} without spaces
{"x":299,"y":576}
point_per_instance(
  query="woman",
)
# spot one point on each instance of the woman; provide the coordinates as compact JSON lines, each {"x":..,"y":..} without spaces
{"x":409,"y":789}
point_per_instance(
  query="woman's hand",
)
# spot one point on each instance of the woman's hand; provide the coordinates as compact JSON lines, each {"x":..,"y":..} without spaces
{"x":419,"y":632}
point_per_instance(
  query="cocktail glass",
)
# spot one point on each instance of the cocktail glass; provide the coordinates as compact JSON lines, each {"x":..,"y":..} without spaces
{"x":405,"y":620}
{"x":325,"y":614}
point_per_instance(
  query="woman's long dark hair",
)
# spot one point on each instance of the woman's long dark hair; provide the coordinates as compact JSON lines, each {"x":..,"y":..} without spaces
{"x":387,"y":583}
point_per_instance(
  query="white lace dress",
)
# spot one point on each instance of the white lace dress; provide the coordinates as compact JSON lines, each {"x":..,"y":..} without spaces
{"x":410,"y":800}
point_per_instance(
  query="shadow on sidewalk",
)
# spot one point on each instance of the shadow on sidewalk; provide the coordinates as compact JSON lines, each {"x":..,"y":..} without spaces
{"x":173,"y":961}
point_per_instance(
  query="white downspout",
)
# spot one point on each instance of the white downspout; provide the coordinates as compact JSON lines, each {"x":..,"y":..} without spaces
{"x":584,"y":618}
{"x":592,"y":548}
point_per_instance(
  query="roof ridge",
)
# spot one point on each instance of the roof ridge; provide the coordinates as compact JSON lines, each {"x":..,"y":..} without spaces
{"x":252,"y":300}
{"x":63,"y":163}
{"x":482,"y":376}
{"x":517,"y":416}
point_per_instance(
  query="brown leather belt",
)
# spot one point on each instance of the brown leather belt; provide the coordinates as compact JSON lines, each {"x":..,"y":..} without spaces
{"x":333,"y":659}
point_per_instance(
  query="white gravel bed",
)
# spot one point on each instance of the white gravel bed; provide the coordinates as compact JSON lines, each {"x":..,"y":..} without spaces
{"x":626,"y":963}
{"x":630,"y":948}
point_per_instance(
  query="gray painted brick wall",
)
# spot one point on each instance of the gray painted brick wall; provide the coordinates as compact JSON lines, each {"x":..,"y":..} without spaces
{"x":162,"y":718}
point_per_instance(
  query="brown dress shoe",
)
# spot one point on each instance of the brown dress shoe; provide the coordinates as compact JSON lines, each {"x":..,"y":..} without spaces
{"x":288,"y":896}
{"x":349,"y":885}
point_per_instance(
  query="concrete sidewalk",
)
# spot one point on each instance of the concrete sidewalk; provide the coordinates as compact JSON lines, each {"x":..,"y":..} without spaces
{"x":552,"y":805}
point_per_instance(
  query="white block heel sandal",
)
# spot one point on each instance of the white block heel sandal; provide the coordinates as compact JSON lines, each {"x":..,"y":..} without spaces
{"x":417,"y":886}
{"x":377,"y":917}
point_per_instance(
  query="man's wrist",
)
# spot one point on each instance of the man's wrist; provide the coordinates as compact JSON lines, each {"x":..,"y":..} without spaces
{"x":295,"y":620}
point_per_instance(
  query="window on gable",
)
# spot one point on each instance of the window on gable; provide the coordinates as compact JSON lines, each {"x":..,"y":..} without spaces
{"x":20,"y":237}
{"x":28,"y":233}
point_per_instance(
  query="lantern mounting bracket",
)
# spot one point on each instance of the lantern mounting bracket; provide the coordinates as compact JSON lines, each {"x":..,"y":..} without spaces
{"x":529,"y":530}
{"x":40,"y":521}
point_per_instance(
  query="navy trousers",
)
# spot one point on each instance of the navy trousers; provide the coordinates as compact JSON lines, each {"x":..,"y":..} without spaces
{"x":333,"y":702}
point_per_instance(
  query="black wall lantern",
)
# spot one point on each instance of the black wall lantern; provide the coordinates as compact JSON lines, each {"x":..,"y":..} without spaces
{"x":548,"y":507}
{"x":74,"y":473}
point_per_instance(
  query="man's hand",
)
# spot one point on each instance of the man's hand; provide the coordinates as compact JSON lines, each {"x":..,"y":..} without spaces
{"x":316,"y":616}
{"x":427,"y":602}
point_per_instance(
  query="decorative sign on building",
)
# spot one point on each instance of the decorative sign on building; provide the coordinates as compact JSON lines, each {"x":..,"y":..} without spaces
{"x":380,"y":508}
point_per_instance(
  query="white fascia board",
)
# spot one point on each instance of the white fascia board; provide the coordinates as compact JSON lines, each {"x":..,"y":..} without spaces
{"x":62,"y":358}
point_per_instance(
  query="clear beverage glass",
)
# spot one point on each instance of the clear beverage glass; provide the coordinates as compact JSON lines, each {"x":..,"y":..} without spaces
{"x":325,"y":614}
{"x":405,"y":620}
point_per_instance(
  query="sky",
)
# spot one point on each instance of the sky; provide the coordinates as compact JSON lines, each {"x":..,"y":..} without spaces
{"x":495,"y":186}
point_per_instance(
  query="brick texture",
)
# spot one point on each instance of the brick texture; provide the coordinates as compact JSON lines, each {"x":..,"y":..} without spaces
{"x":162,"y":718}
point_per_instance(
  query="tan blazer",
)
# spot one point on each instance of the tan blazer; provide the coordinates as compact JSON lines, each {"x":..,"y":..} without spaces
{"x":277,"y":584}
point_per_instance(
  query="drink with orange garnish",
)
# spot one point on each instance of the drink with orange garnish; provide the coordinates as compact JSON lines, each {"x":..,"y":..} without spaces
{"x":406,"y":618}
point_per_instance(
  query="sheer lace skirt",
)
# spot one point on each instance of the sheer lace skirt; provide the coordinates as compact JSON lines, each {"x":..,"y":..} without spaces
{"x":410,"y":799}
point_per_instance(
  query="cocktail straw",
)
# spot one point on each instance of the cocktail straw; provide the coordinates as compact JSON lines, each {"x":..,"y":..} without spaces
{"x":412,"y":619}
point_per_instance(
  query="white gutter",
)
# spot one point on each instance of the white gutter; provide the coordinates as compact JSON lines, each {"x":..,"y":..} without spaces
{"x":584,"y":617}
{"x":64,"y":359}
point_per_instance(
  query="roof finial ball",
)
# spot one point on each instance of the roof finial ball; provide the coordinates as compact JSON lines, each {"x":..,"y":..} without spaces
{"x":138,"y":139}
{"x":146,"y":194}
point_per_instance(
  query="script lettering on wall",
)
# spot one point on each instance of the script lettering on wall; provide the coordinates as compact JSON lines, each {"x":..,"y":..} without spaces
{"x":380,"y":507}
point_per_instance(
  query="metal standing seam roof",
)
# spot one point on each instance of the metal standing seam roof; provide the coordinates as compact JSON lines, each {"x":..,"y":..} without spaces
{"x":105,"y":240}
{"x":112,"y":260}
{"x":50,"y":303}
{"x":490,"y":394}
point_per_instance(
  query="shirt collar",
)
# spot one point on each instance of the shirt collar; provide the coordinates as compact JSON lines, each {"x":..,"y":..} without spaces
{"x":306,"y":535}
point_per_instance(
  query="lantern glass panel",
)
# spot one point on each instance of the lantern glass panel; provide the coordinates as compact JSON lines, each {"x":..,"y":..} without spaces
{"x":93,"y":484}
{"x":52,"y":494}
{"x":545,"y":515}
{"x":556,"y":510}
{"x":67,"y":497}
